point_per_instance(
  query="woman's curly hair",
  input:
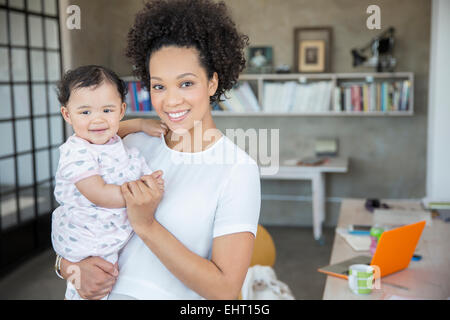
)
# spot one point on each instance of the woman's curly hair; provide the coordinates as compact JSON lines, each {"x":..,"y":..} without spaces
{"x":201,"y":24}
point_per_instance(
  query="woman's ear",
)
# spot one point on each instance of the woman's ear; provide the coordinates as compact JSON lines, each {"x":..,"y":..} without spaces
{"x":213,"y":84}
{"x":123,"y":108}
{"x":66,"y":115}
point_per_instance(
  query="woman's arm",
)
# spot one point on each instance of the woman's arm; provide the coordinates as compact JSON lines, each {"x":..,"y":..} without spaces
{"x":219,"y":278}
{"x":151,"y":127}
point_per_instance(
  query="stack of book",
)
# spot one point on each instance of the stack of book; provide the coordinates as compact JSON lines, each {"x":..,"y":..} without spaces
{"x":240,"y":99}
{"x":314,"y":97}
{"x":371,"y":97}
{"x":291,"y":96}
{"x":137,"y":99}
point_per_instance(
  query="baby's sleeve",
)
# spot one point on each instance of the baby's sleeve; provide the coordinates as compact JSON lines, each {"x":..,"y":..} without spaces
{"x":240,"y":202}
{"x":145,"y":168}
{"x":77,"y":162}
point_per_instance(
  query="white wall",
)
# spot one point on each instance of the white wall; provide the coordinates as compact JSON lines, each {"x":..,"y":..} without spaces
{"x":438,"y":153}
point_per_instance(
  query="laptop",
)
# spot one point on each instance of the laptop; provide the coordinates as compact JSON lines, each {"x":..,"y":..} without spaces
{"x":394,"y":251}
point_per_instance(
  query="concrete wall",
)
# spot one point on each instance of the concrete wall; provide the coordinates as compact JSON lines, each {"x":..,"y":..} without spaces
{"x":387,"y":154}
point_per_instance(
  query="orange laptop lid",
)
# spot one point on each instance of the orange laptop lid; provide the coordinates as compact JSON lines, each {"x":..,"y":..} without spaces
{"x":396,"y":248}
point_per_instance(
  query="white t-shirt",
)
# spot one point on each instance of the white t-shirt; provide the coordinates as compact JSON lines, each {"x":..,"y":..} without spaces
{"x":207,"y":194}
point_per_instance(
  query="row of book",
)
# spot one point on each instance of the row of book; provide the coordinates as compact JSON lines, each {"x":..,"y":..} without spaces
{"x":279,"y":97}
{"x":371,"y":97}
{"x":240,"y":99}
{"x":294,"y":97}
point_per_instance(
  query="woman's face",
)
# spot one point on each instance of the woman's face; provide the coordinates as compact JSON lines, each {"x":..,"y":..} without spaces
{"x":180,"y":88}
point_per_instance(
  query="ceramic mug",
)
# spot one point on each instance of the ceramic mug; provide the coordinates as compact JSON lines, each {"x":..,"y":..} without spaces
{"x":360,"y":278}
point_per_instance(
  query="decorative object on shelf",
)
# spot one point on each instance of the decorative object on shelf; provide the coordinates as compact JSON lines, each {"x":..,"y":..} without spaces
{"x":326,"y":147}
{"x":382,"y":50}
{"x":259,"y":59}
{"x":312,"y":49}
{"x":283,"y":68}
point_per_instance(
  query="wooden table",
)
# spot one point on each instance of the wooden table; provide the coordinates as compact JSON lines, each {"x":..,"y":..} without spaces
{"x":428,"y":278}
{"x":317,"y":176}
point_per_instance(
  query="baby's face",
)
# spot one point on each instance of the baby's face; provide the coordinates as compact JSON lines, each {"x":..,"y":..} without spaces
{"x":95,"y":113}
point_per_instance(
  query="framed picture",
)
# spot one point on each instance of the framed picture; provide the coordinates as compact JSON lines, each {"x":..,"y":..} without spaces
{"x":259,"y":59}
{"x":312,"y":49}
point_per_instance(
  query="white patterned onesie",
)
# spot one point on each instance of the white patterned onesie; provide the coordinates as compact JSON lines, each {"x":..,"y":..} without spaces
{"x":81,"y":229}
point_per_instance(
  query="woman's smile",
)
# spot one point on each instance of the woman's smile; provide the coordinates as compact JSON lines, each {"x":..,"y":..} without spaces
{"x":177,"y":116}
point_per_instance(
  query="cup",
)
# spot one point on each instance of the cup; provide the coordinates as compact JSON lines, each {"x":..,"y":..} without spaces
{"x":360,"y":278}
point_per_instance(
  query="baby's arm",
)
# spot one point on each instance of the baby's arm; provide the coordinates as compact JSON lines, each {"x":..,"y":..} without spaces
{"x":100,"y":193}
{"x":106,"y":195}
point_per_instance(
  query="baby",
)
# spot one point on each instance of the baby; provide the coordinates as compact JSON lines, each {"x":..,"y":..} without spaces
{"x":91,"y":219}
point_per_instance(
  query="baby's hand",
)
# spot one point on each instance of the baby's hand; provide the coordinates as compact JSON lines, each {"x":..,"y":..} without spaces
{"x":157,"y":175}
{"x":154,"y":127}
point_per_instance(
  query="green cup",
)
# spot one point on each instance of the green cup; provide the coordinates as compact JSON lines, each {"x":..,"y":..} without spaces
{"x":360,"y":278}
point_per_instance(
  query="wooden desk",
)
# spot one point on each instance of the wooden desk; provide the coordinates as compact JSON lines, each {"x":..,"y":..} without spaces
{"x":317,"y":176}
{"x":428,"y":278}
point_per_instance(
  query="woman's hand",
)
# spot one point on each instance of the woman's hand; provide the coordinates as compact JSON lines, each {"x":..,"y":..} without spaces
{"x":94,"y":276}
{"x":142,"y":197}
{"x":153,"y":127}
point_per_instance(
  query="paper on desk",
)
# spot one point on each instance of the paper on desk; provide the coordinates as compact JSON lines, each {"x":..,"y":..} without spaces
{"x":400,"y":217}
{"x":357,"y":242}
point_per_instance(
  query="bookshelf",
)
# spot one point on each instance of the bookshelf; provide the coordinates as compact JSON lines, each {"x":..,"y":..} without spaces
{"x":331,"y":94}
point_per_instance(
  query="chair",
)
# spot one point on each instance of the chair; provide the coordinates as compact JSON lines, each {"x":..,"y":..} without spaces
{"x":264,"y":252}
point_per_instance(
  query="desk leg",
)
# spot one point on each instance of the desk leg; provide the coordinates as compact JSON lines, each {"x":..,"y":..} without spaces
{"x":318,"y":186}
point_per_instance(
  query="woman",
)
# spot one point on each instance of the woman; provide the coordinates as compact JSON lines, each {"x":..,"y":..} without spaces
{"x":196,"y":240}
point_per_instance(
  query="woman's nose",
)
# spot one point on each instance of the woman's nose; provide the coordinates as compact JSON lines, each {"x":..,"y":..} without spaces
{"x":173,"y":98}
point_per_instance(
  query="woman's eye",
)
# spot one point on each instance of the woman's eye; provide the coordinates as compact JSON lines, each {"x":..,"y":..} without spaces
{"x":157,"y":87}
{"x":186,"y":84}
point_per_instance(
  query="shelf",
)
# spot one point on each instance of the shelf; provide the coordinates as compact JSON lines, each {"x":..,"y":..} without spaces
{"x":265,"y":114}
{"x":337,"y":80}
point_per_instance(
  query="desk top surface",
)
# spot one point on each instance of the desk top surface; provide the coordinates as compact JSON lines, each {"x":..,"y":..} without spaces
{"x":428,"y":278}
{"x":294,"y":171}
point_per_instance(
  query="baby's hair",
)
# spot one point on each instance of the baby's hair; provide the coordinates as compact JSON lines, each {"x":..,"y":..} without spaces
{"x":88,"y":76}
{"x":201,"y":24}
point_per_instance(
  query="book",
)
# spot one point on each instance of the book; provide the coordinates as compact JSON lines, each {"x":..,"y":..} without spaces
{"x":337,"y":99}
{"x":405,"y":95}
{"x":365,"y":97}
{"x":138,"y":99}
{"x":249,"y":96}
{"x":372,"y":97}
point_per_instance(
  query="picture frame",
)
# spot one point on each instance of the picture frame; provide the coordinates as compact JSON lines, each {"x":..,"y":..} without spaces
{"x":259,"y":59}
{"x":312,"y":53}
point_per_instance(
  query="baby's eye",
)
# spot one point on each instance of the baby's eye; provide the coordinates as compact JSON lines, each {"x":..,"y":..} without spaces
{"x":86,"y":112}
{"x":186,"y":84}
{"x":107,"y":110}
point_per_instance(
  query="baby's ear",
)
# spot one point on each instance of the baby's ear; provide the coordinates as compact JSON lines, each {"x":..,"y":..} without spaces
{"x":123,"y":108}
{"x":66,"y":115}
